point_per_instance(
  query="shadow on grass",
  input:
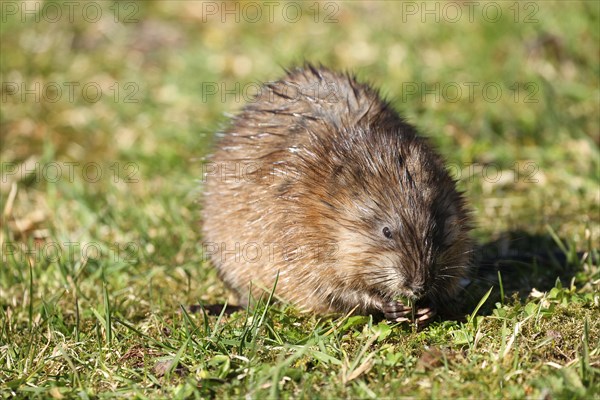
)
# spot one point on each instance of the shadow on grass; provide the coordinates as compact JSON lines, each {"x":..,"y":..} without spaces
{"x":514,"y":265}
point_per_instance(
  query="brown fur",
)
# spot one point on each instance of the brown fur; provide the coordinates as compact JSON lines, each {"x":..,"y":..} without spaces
{"x":310,"y":173}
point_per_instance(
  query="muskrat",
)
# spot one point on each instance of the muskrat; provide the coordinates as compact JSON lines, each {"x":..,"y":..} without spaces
{"x":320,"y":186}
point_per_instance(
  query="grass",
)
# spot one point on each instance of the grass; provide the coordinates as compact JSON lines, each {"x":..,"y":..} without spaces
{"x":96,"y":268}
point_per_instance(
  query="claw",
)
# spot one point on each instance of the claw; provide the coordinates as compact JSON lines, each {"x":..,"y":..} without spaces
{"x":422,"y":311}
{"x":396,"y":311}
{"x":425,"y":316}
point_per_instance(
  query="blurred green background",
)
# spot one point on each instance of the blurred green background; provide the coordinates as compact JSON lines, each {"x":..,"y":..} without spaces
{"x":165,"y":72}
{"x":122,"y":99}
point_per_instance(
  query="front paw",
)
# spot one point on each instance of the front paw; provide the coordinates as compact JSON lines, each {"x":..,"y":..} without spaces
{"x":396,"y":311}
{"x":424,"y":316}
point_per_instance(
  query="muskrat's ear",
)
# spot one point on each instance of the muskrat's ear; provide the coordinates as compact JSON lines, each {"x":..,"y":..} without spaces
{"x":338,"y":176}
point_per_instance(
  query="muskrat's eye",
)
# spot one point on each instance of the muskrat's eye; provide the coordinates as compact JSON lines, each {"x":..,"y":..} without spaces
{"x":387,"y":232}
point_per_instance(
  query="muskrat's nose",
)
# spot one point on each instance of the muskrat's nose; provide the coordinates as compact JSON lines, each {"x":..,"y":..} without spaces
{"x":418,"y":291}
